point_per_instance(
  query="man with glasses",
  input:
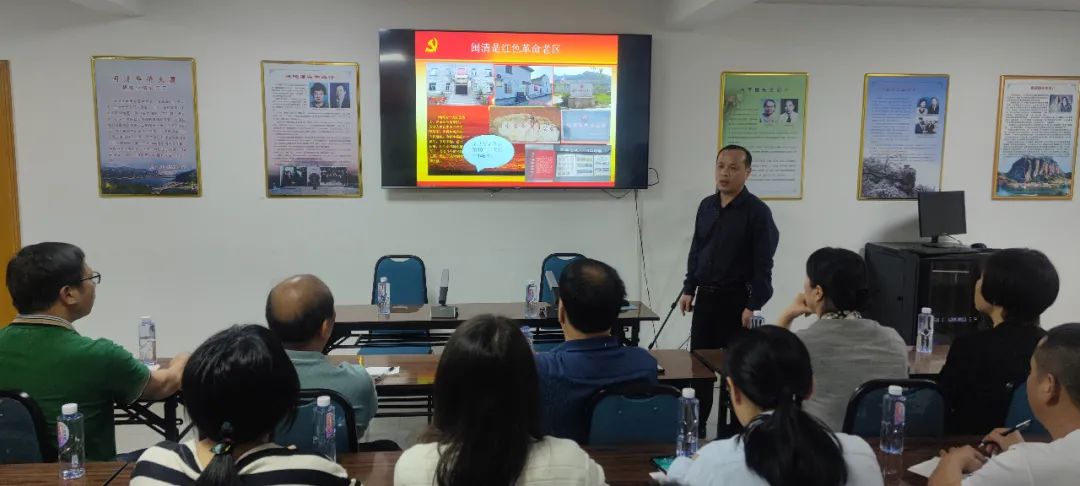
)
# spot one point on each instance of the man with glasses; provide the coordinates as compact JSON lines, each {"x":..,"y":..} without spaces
{"x":41,"y":354}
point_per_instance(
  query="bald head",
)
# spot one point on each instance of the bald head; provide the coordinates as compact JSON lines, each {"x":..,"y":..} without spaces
{"x":297,"y":309}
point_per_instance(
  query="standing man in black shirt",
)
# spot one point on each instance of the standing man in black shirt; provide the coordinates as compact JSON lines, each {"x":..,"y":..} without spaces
{"x":729,"y":270}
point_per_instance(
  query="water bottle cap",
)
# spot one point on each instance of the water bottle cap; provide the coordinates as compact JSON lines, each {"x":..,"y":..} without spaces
{"x":383,"y":280}
{"x":531,"y":282}
{"x":688,"y":393}
{"x":323,"y":401}
{"x":69,"y":409}
{"x":758,"y":313}
{"x":926,"y":310}
{"x":896,"y":390}
{"x":146,"y":318}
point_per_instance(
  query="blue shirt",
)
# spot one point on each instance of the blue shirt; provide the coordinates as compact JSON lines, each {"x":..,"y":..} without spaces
{"x":574,"y":371}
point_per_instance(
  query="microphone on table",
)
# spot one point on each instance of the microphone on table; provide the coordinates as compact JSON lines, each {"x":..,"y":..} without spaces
{"x":444,"y":286}
{"x":443,"y":311}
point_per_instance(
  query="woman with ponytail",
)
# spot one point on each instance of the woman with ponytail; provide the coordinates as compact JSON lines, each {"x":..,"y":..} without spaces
{"x":769,"y":375}
{"x":238,"y":385}
{"x":846,"y":350}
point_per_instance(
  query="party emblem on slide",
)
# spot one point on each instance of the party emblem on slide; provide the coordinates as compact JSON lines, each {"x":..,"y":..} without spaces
{"x":432,"y":45}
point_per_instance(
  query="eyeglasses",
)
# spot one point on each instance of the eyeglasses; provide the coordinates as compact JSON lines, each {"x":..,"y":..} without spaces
{"x":96,"y":277}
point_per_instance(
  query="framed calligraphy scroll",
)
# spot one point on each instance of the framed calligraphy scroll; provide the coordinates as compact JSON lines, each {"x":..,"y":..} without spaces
{"x":146,"y":116}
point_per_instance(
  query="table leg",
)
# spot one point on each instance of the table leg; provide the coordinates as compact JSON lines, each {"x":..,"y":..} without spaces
{"x":172,"y":430}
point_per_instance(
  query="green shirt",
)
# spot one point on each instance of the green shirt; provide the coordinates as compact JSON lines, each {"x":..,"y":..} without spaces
{"x":352,"y":381}
{"x":45,"y":357}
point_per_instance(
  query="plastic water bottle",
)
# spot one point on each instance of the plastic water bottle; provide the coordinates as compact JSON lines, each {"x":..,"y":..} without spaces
{"x":383,"y":297}
{"x":924,"y":341}
{"x":325,"y":428}
{"x":147,"y":341}
{"x":892,"y":431}
{"x":528,"y":332}
{"x":757,"y":320}
{"x":532,"y":300}
{"x":69,"y":442}
{"x":686,"y":444}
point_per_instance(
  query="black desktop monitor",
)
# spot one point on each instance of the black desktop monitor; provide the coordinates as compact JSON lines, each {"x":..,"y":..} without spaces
{"x":941,"y":213}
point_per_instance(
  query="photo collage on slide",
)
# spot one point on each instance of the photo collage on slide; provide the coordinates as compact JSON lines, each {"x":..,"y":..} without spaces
{"x":550,"y":124}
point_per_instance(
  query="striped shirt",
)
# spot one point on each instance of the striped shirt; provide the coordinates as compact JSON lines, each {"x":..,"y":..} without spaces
{"x":171,"y":463}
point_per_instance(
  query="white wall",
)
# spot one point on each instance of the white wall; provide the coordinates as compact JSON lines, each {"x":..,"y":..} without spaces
{"x":200,"y":264}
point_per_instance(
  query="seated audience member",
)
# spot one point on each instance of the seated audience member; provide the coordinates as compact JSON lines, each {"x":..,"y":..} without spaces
{"x":769,"y":375}
{"x":300,"y":311}
{"x":237,"y":387}
{"x":591,"y":295}
{"x":486,"y":424}
{"x":1016,"y":286}
{"x":1053,"y":391}
{"x":846,"y":350}
{"x":43,"y":355}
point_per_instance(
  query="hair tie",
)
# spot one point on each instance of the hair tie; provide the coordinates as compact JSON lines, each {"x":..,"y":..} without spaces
{"x":222,"y":447}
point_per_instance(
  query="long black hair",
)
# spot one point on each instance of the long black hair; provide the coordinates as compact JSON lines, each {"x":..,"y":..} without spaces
{"x":787,"y":446}
{"x":237,"y":386}
{"x":842,"y":276}
{"x":487,"y":412}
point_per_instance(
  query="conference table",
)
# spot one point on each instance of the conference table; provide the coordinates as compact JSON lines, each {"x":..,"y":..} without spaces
{"x":624,"y":465}
{"x":355,"y":324}
{"x":406,"y":393}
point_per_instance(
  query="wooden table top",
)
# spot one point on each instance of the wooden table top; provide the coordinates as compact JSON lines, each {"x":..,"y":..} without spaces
{"x":918,"y":364}
{"x":97,"y":473}
{"x":628,"y":465}
{"x":419,"y":316}
{"x":419,"y":370}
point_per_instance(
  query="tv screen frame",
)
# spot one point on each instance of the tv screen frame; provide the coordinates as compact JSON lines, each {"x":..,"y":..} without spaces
{"x":930,"y":202}
{"x":397,"y":109}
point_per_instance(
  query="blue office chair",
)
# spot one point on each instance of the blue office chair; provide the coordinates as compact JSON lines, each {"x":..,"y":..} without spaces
{"x":925,"y":408}
{"x":301,"y":433}
{"x":408,"y":286}
{"x":23,"y":436}
{"x":554,"y":263}
{"x":1020,"y":410}
{"x":634,"y":414}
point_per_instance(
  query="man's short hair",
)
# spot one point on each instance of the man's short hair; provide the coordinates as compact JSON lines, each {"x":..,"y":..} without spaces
{"x":312,"y":310}
{"x":318,"y":87}
{"x":746,"y":153}
{"x":767,"y":101}
{"x":1059,"y":355}
{"x":592,"y":294}
{"x":1021,"y":280}
{"x":37,"y":273}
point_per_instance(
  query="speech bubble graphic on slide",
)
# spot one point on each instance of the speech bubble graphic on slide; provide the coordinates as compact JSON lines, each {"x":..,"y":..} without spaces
{"x":487,"y":151}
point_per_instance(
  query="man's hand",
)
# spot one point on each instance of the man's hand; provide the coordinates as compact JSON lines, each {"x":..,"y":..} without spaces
{"x":746,"y":315}
{"x":954,"y":464}
{"x":996,"y":441}
{"x":686,"y":303}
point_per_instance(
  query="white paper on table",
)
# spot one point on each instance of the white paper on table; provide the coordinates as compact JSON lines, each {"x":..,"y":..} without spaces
{"x":382,"y":371}
{"x":925,"y":469}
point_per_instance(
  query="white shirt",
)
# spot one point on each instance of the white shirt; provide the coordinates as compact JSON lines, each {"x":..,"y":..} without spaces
{"x":1032,"y":463}
{"x":551,"y":462}
{"x":723,"y":462}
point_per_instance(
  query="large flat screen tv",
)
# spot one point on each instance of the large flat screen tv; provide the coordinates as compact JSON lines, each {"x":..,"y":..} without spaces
{"x":514,"y":109}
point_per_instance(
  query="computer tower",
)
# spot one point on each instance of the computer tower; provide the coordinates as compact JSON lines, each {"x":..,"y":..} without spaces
{"x":905,"y":277}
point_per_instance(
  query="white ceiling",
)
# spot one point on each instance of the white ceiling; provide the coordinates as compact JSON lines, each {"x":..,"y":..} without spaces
{"x":1057,"y":5}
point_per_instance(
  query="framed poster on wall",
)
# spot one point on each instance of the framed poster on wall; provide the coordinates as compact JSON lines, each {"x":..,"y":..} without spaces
{"x":311,"y":129}
{"x":146,"y":117}
{"x":903,"y":135}
{"x":1035,"y":149}
{"x":766,"y":113}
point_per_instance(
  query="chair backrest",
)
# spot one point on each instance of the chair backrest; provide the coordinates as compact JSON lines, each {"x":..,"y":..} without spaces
{"x":555,"y":263}
{"x":925,"y":408}
{"x":302,"y":432}
{"x":407,"y":276}
{"x":1020,"y":410}
{"x":23,"y":436}
{"x":634,"y":414}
